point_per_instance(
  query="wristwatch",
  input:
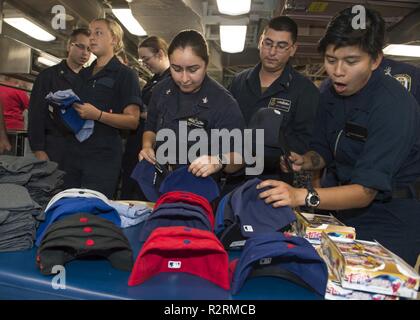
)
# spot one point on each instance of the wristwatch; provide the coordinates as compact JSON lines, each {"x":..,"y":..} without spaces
{"x":312,"y":198}
{"x":222,"y":160}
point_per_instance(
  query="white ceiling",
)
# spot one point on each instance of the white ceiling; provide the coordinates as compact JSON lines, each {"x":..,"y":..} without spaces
{"x":167,"y":17}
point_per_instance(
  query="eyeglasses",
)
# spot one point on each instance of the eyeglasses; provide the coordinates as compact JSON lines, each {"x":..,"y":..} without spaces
{"x":81,"y":46}
{"x":144,"y":60}
{"x":281,"y":46}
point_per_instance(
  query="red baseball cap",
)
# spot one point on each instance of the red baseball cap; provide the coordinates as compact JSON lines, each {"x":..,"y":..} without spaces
{"x":182,"y":249}
{"x":189,"y":198}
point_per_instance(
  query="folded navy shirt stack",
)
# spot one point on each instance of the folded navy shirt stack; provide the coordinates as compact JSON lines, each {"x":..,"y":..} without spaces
{"x":42,"y":178}
{"x":18,"y":213}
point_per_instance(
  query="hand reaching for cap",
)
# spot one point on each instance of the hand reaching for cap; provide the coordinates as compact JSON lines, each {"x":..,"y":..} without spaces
{"x":205,"y":166}
{"x":148,"y":154}
{"x":281,"y":194}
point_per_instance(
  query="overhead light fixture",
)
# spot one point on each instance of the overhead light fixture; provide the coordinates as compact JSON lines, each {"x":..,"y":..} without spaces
{"x":234,"y":7}
{"x":403,"y":50}
{"x":232,"y":38}
{"x":31,"y":29}
{"x":48,"y":60}
{"x":125,"y":16}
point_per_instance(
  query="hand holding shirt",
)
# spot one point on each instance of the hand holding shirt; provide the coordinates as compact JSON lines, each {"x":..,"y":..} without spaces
{"x":64,"y":100}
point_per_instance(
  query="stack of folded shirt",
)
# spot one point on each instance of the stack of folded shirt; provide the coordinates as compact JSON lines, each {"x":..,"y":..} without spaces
{"x":130,"y":213}
{"x":42,"y":188}
{"x":41,"y":178}
{"x":17,"y":218}
{"x":63,"y":112}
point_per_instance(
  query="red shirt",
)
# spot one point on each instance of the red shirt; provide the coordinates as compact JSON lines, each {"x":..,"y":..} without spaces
{"x":14,"y":102}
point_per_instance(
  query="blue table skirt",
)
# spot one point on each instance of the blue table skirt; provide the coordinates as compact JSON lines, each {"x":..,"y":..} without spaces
{"x":97,"y":280}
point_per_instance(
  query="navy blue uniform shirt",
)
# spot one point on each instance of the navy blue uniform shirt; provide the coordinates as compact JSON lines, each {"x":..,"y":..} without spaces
{"x":149,"y":86}
{"x":110,"y":90}
{"x":390,"y":156}
{"x":214,"y":108}
{"x":407,"y":74}
{"x":383,"y":155}
{"x":294,"y":95}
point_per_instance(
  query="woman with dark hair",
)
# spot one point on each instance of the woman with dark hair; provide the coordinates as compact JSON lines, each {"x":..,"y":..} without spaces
{"x":368,"y":127}
{"x":190,"y":100}
{"x":153,"y":53}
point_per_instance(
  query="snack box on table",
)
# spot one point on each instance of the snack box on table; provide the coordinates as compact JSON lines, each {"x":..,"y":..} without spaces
{"x":310,"y":226}
{"x":335,"y":291}
{"x":368,"y":266}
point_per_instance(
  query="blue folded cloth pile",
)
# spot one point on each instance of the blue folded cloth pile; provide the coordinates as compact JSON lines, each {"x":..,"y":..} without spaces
{"x":62,"y":101}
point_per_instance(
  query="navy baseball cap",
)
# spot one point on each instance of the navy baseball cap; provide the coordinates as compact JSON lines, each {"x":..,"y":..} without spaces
{"x":188,"y":198}
{"x":279,"y":255}
{"x":149,"y":176}
{"x":220,"y":214}
{"x":252,"y":215}
{"x":176,"y":214}
{"x":182,"y":180}
{"x":82,"y":236}
{"x":269,"y":119}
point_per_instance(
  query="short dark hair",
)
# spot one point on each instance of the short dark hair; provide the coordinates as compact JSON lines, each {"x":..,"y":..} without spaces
{"x":78,"y":31}
{"x":340,"y":33}
{"x":283,"y":23}
{"x":193,"y":39}
{"x":155,"y":44}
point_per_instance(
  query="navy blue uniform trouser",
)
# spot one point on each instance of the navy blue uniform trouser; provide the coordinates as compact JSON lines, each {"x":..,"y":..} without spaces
{"x":55,"y":147}
{"x":394,"y":224}
{"x":94,"y":167}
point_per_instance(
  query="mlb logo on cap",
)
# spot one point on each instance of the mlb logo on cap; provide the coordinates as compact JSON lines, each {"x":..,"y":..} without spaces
{"x":265,"y":261}
{"x":182,"y":249}
{"x":248,"y":229}
{"x":174,"y":264}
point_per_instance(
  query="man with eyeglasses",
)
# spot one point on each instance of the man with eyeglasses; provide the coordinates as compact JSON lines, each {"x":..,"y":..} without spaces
{"x":47,"y":136}
{"x":273,"y":83}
